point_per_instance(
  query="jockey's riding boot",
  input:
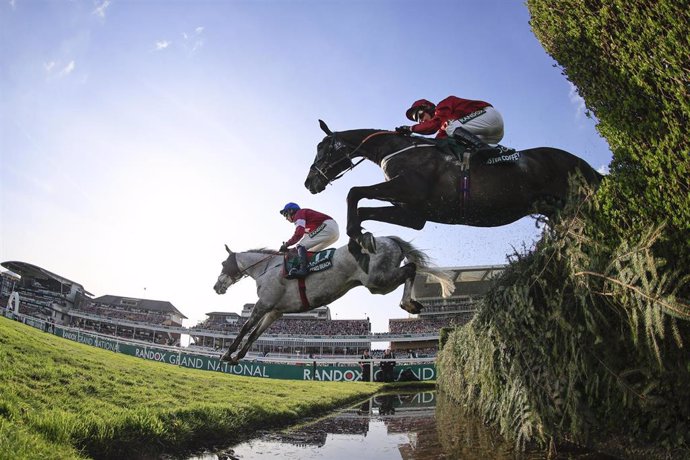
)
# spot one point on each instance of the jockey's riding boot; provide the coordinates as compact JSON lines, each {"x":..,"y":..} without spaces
{"x":473,"y":142}
{"x":300,"y":272}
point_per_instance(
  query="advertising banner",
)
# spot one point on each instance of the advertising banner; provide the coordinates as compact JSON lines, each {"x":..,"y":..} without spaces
{"x":307,"y":370}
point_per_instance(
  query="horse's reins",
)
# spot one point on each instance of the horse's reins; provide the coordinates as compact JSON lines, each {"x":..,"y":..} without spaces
{"x":242,"y":273}
{"x":465,"y":167}
{"x":350,"y":155}
{"x":385,"y":159}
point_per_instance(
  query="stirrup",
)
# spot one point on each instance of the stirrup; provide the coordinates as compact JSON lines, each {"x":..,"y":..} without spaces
{"x":296,"y":273}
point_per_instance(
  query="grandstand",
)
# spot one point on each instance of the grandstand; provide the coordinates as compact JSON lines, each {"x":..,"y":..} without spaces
{"x":49,"y":296}
{"x":42,"y":294}
{"x":471,"y":284}
{"x":307,"y":333}
{"x":8,"y":280}
{"x":147,"y":320}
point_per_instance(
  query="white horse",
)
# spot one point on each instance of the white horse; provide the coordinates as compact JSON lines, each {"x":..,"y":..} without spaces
{"x":278,"y":295}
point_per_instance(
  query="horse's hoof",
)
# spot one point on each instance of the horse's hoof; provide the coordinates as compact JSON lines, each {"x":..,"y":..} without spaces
{"x":368,"y":242}
{"x":413,"y":307}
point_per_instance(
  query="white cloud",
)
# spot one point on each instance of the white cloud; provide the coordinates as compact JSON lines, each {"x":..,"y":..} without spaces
{"x":67,"y":69}
{"x":58,"y":70}
{"x":13,"y":4}
{"x":162,"y":44}
{"x":577,"y":101}
{"x":100,"y":9}
{"x":193,"y":41}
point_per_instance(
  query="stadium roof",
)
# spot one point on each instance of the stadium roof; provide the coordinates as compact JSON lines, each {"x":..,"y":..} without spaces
{"x":222,"y":313}
{"x":28,"y":270}
{"x":469,"y":281}
{"x":142,"y":304}
{"x":9,"y":273}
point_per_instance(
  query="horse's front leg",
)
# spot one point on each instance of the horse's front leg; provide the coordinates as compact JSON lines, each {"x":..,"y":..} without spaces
{"x":393,"y":215}
{"x":257,"y":313}
{"x":400,"y":189}
{"x":266,"y":321}
{"x":354,"y":225}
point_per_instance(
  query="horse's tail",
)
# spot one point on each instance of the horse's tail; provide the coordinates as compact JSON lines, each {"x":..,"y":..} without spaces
{"x":422,"y":261}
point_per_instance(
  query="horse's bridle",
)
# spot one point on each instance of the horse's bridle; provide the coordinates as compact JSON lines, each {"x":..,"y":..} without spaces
{"x":231,"y":264}
{"x":347,"y":157}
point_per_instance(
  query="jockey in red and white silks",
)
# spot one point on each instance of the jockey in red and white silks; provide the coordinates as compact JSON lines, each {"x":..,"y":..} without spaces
{"x":472,"y":122}
{"x":314,"y":230}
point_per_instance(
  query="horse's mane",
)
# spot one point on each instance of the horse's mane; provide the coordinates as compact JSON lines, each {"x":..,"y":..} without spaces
{"x":264,"y":251}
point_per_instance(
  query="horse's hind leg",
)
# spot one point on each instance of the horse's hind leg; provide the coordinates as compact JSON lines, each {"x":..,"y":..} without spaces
{"x":385,"y":281}
{"x":266,"y":321}
{"x":407,"y":303}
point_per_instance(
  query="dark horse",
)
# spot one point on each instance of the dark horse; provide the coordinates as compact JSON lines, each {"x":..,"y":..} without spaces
{"x":425,"y":182}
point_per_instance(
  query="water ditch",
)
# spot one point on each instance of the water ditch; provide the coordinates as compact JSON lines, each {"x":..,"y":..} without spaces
{"x":410,"y":425}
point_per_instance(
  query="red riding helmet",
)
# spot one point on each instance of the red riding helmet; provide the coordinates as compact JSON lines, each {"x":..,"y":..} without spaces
{"x":420,"y":104}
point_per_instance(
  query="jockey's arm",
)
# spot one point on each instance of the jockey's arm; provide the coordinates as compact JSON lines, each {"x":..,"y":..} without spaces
{"x":299,"y":233}
{"x":427,"y":127}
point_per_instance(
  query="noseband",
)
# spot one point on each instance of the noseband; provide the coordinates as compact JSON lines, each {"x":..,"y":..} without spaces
{"x":232,"y":270}
{"x":332,"y":148}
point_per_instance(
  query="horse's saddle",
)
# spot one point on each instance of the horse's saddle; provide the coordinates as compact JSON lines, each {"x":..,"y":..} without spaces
{"x":316,"y":261}
{"x":450,"y":146}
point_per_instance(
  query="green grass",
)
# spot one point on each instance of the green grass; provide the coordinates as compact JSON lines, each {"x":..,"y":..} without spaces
{"x":61,"y":399}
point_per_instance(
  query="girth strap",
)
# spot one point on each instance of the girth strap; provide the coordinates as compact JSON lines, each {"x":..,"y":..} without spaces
{"x":301,"y":286}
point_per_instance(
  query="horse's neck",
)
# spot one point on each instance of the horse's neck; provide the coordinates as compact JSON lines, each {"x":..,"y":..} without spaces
{"x":377,"y":143}
{"x":252,"y":263}
{"x":355,"y":138}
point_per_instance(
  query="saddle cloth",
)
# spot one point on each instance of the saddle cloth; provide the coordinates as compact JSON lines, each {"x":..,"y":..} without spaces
{"x":452,"y":147}
{"x":316,"y":261}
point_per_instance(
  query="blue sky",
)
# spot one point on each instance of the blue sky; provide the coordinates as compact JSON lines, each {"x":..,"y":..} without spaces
{"x":139,"y":137}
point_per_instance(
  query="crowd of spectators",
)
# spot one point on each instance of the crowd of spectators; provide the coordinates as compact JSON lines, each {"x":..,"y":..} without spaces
{"x":417,"y":326}
{"x":216,"y":324}
{"x":127,"y":332}
{"x":37,"y":304}
{"x":320,"y":327}
{"x":151,"y":317}
{"x":297,"y":327}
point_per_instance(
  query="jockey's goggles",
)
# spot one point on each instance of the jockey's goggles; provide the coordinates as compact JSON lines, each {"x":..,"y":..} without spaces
{"x":418,"y":115}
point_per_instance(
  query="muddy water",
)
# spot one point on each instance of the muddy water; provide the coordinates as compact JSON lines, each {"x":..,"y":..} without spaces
{"x":394,"y":426}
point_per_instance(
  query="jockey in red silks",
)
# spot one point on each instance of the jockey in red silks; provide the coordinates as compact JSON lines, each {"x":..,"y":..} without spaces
{"x":474,"y":123}
{"x":315,"y":231}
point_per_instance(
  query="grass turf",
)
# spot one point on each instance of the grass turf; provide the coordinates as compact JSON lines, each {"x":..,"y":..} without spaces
{"x":61,"y":399}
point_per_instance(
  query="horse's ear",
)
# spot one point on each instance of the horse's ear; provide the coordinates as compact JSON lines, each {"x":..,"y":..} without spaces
{"x":228,"y":249}
{"x":324,"y":127}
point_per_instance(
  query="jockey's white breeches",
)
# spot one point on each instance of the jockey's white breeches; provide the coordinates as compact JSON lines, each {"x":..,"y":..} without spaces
{"x":323,"y":236}
{"x":487,"y":126}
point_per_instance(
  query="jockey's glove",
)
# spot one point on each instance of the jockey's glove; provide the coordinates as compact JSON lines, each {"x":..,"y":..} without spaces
{"x":404,"y":130}
{"x":283,"y":248}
